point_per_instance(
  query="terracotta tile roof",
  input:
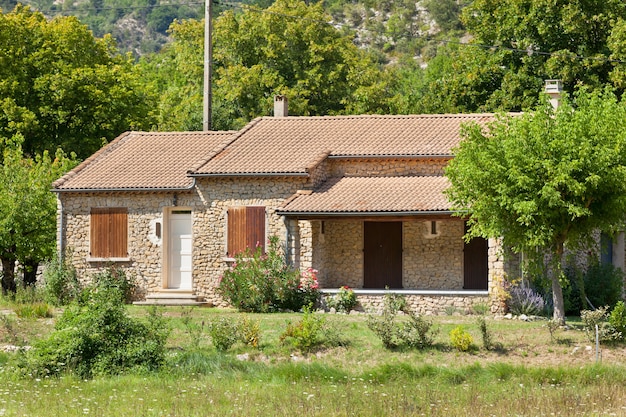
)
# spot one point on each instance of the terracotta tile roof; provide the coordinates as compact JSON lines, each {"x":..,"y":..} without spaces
{"x":144,"y":160}
{"x":293,"y":145}
{"x":372,"y":194}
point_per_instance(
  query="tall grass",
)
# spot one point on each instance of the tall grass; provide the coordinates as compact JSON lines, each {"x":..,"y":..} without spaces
{"x":532,"y":376}
{"x":317,"y":390}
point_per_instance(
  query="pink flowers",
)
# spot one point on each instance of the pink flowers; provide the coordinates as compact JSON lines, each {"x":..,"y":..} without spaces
{"x":308,"y":279}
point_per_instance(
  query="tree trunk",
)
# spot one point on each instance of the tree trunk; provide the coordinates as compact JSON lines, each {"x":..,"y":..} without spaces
{"x":8,"y":276}
{"x":557,"y":290}
{"x":30,"y":273}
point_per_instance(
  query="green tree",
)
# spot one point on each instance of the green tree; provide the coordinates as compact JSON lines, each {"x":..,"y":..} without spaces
{"x":61,"y":87}
{"x":289,"y":48}
{"x":27,"y":210}
{"x":545,"y":180}
{"x":516,"y":44}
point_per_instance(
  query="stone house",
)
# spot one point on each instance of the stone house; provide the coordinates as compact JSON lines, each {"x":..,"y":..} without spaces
{"x":359,"y":198}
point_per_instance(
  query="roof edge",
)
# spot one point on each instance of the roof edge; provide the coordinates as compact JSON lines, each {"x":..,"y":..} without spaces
{"x":105,"y":149}
{"x":223,"y":146}
{"x":364,"y":213}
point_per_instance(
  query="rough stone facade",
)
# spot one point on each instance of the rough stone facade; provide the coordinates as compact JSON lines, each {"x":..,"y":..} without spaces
{"x":333,"y":247}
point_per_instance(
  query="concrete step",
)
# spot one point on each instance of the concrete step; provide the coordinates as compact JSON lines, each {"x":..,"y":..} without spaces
{"x":173,"y":298}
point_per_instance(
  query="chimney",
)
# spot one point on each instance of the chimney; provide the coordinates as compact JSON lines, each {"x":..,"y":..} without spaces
{"x":280,"y":106}
{"x":553,"y":89}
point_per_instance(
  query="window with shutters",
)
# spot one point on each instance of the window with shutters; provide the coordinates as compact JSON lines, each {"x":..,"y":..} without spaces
{"x":246,"y":229}
{"x":109,"y":232}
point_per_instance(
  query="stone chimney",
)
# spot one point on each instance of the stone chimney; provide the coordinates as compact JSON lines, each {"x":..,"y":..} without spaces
{"x":553,"y":89}
{"x":281,"y":106}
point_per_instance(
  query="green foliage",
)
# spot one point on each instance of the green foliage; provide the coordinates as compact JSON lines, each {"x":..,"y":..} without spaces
{"x":603,"y":285}
{"x":309,"y":333}
{"x":481,"y":308}
{"x":114,"y":277}
{"x":417,"y":332}
{"x":289,"y":49}
{"x":224,"y":333}
{"x":262,"y":283}
{"x":250,"y":330}
{"x":63,"y":87}
{"x":344,"y":301}
{"x":27,"y":208}
{"x":598,"y":317}
{"x":33,"y":310}
{"x":617,"y":318}
{"x":525,"y":300}
{"x":61,"y":285}
{"x":544,"y":179}
{"x":460,"y":339}
{"x":99,"y":338}
{"x":487,"y":335}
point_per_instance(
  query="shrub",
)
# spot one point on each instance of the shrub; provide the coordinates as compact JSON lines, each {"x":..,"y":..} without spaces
{"x":61,"y":282}
{"x":485,"y":333}
{"x":603,"y":287}
{"x":262,"y":283}
{"x":113,"y":277}
{"x":598,"y":317}
{"x":344,"y":300}
{"x":461,"y":340}
{"x":306,"y":333}
{"x":525,"y":300}
{"x":416,"y":332}
{"x":97,"y":338}
{"x":224,"y":333}
{"x":481,"y":308}
{"x":617,"y":318}
{"x":250,"y":331}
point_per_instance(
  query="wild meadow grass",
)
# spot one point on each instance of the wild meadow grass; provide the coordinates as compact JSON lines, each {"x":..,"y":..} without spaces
{"x":532,"y":375}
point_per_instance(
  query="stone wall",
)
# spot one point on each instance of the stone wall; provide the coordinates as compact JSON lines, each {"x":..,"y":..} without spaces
{"x":429,"y":262}
{"x":363,"y":167}
{"x":426,"y":304}
{"x":144,"y":248}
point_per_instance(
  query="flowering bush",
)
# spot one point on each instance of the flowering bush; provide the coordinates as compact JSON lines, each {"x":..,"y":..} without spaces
{"x":525,"y":300}
{"x":263,"y":282}
{"x":344,"y":300}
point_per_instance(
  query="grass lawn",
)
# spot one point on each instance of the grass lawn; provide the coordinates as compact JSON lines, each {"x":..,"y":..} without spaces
{"x":534,"y":374}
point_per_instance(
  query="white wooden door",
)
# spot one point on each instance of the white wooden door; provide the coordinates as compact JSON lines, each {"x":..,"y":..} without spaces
{"x":180,"y":244}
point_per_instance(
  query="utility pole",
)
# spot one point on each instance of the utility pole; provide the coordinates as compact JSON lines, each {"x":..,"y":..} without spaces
{"x":208,"y":70}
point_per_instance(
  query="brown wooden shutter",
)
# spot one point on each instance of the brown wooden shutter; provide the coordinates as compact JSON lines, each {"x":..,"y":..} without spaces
{"x":118,"y":233}
{"x":98,"y":232}
{"x":255,"y":227}
{"x":236,"y":230}
{"x":109,"y":232}
{"x":246,"y":228}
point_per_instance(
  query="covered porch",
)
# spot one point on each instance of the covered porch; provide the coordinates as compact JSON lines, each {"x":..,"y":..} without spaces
{"x":380,"y":234}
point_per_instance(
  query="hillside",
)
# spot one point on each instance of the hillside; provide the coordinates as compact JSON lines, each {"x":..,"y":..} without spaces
{"x":391,"y":27}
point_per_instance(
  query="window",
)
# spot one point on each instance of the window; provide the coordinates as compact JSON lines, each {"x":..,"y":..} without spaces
{"x":246,"y":229}
{"x":109,"y":232}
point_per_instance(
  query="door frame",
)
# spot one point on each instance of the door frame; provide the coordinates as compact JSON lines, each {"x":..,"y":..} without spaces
{"x":165,"y":256}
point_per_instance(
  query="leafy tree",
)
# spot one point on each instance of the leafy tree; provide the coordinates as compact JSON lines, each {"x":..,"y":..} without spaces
{"x":515,"y":45}
{"x":545,"y":180}
{"x":61,"y":87}
{"x":27,"y":210}
{"x":289,"y":48}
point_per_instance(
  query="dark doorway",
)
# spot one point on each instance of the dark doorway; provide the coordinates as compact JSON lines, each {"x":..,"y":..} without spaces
{"x":475,"y":264}
{"x":382,"y":253}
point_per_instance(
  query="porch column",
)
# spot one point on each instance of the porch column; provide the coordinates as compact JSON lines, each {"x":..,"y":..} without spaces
{"x":293,"y":242}
{"x":306,"y":244}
